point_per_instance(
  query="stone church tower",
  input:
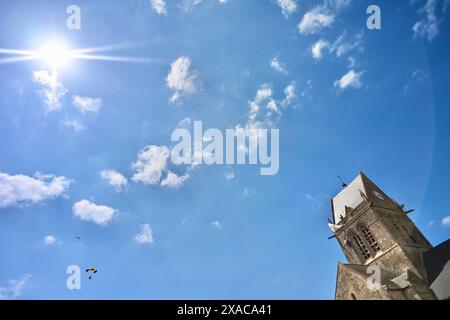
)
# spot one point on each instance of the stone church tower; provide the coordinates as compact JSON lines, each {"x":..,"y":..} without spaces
{"x":384,"y":249}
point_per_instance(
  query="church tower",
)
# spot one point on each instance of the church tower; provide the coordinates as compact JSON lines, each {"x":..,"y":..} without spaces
{"x":383,"y":247}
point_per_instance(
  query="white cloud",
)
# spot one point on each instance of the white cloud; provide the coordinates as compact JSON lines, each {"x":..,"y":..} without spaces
{"x":49,"y":240}
{"x":74,"y":124}
{"x":306,"y":93}
{"x":229,"y":175}
{"x":338,"y":4}
{"x":150,"y":165}
{"x":216,"y":224}
{"x":265,"y":108}
{"x":20,"y":189}
{"x":88,"y":211}
{"x":351,"y":62}
{"x":317,"y":202}
{"x":115,"y":179}
{"x":341,"y":47}
{"x":417,"y":76}
{"x":272,"y":106}
{"x":186,"y":122}
{"x":350,"y":79}
{"x":174,"y":181}
{"x":53,"y":99}
{"x":14,"y":288}
{"x":188,"y":5}
{"x":428,"y":26}
{"x":288,"y":7}
{"x":145,"y":236}
{"x":322,"y":16}
{"x":446,"y":221}
{"x":181,"y":79}
{"x":87,"y":104}
{"x":316,"y":49}
{"x":53,"y":90}
{"x":264,"y":92}
{"x":159,"y":6}
{"x":45,"y":79}
{"x":278,"y":66}
{"x":315,"y":20}
{"x":289,"y":94}
{"x":248,"y":192}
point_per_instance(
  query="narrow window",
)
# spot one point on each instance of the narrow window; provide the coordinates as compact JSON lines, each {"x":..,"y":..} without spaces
{"x":370,"y":239}
{"x":365,"y":253}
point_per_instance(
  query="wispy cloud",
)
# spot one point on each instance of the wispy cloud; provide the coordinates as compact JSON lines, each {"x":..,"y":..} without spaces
{"x":216,"y":224}
{"x":316,"y":49}
{"x":321,"y":16}
{"x":229,"y":175}
{"x":188,"y":5}
{"x":88,"y":211}
{"x":315,"y":20}
{"x":341,"y":47}
{"x":417,"y":76}
{"x":278,"y":66}
{"x":288,"y":7}
{"x":428,"y":26}
{"x":248,"y":192}
{"x":159,"y":6}
{"x":53,"y":91}
{"x":16,"y":190}
{"x":317,"y":202}
{"x":289,"y":94}
{"x":76,"y":125}
{"x":87,"y":104}
{"x":45,"y":79}
{"x":184,"y":123}
{"x":351,"y":79}
{"x":172,"y":180}
{"x":14,"y":288}
{"x":145,"y":236}
{"x":182,"y":79}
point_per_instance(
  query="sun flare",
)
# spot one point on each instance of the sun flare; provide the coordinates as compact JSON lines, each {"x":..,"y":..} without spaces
{"x":55,"y":54}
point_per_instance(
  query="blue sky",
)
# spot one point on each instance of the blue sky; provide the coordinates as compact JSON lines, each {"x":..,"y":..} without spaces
{"x":358,"y":100}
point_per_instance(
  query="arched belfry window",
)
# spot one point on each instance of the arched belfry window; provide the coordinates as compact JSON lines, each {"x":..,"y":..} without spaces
{"x":359,"y":246}
{"x":369,"y":238}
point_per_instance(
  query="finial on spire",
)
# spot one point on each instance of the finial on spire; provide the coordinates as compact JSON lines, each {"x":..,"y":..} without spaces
{"x":344,"y":185}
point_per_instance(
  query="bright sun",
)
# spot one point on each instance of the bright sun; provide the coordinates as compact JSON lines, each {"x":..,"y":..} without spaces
{"x":54,"y":54}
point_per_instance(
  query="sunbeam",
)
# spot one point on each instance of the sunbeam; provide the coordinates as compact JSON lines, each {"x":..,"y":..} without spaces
{"x":55,"y":54}
{"x":113,"y":58}
{"x":16,"y":59}
{"x":18,"y":52}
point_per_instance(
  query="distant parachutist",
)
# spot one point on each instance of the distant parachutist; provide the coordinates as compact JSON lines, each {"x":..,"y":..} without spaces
{"x":91,"y":270}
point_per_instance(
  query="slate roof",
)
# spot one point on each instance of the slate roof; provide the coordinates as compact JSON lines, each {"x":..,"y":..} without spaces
{"x":435,"y":260}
